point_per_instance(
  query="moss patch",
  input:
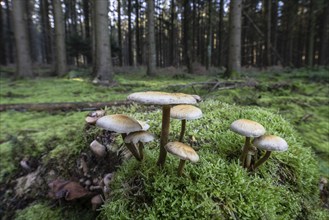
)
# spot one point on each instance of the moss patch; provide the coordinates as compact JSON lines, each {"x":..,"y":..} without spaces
{"x":217,"y":187}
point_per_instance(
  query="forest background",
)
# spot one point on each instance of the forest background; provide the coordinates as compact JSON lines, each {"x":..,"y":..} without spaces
{"x":263,"y":54}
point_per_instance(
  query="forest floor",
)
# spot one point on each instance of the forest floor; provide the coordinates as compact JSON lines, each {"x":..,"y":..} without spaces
{"x":43,"y":138}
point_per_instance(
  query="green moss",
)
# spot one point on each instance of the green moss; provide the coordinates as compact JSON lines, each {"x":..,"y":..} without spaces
{"x":38,"y":211}
{"x":47,"y":90}
{"x":217,"y":187}
{"x":31,"y":134}
{"x":45,"y":211}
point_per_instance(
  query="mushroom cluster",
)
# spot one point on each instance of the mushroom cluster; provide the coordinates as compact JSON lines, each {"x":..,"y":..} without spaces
{"x":251,"y":129}
{"x":167,"y":100}
{"x":120,"y":124}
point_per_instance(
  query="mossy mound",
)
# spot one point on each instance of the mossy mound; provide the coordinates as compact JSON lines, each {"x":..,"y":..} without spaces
{"x":286,"y":187}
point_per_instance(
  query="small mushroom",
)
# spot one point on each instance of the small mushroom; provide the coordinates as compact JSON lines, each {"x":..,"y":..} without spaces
{"x":165,"y":100}
{"x":269,"y":143}
{"x":98,"y":149}
{"x":96,"y":202}
{"x":25,"y":165}
{"x":184,"y":152}
{"x":139,"y":137}
{"x":248,"y":129}
{"x":94,"y":116}
{"x":121,"y":124}
{"x":185,"y":112}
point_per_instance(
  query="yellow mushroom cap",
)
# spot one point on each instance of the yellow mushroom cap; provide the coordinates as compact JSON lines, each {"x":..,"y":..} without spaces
{"x":187,"y":112}
{"x":119,"y":123}
{"x":161,"y":98}
{"x":270,"y":143}
{"x":182,"y":151}
{"x":248,"y":128}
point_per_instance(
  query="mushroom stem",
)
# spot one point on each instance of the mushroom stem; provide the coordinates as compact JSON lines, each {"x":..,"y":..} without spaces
{"x":246,"y":147}
{"x":132,"y":148}
{"x":248,"y":160}
{"x":164,"y":134}
{"x":182,"y":132}
{"x":140,"y":149}
{"x":262,"y":160}
{"x":181,"y":167}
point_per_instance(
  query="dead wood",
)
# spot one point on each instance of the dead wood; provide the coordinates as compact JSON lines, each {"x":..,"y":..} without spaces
{"x":64,"y":106}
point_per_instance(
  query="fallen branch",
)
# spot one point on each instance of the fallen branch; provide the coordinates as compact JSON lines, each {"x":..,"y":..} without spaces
{"x":214,"y":85}
{"x":64,"y":106}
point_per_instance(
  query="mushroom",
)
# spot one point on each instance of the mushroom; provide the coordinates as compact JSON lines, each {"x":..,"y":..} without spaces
{"x":269,"y":143}
{"x":184,"y":152}
{"x":96,"y":201}
{"x":121,"y":124}
{"x":164,"y":99}
{"x":139,"y":137}
{"x":94,"y":116}
{"x":248,"y":129}
{"x":98,"y":149}
{"x":185,"y":112}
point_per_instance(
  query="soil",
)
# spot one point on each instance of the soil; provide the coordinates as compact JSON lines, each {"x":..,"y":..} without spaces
{"x":84,"y":172}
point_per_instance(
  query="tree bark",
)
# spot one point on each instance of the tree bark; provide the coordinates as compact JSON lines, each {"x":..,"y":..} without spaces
{"x":234,"y":54}
{"x":60,"y":56}
{"x":151,"y":65}
{"x":23,"y":64}
{"x":104,"y":68}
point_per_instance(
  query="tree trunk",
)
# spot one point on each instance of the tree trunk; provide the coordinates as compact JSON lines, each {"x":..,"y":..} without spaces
{"x":130,"y":36}
{"x":234,"y":54}
{"x":23,"y":63}
{"x":104,"y":68}
{"x":268,"y":14}
{"x":172,"y":33}
{"x":86,"y":12}
{"x":46,"y":32}
{"x":274,"y":30}
{"x":209,"y":38}
{"x":119,"y":33}
{"x":221,"y":33}
{"x":138,"y":47}
{"x":324,"y":41}
{"x":187,"y":36}
{"x":9,"y":34}
{"x":311,"y":33}
{"x":151,"y":39}
{"x":2,"y":39}
{"x":60,"y":56}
